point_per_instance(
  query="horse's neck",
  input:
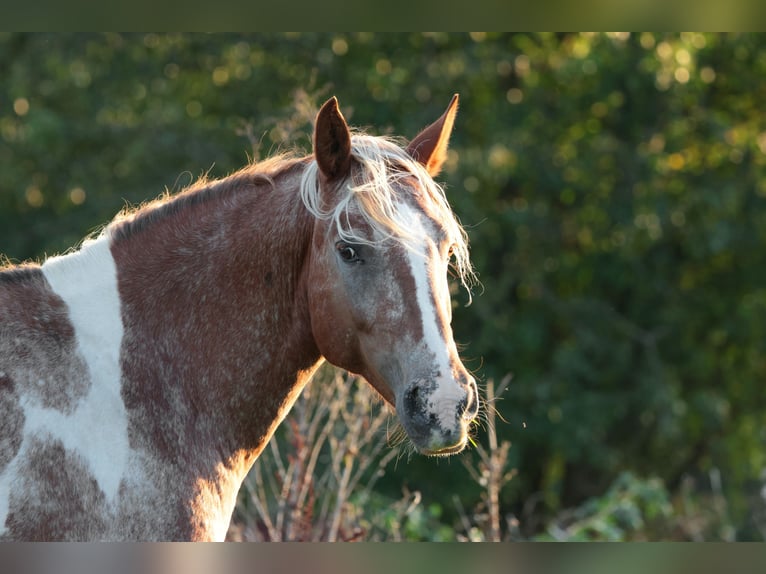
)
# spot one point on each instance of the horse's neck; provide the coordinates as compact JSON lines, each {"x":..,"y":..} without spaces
{"x":217,"y":340}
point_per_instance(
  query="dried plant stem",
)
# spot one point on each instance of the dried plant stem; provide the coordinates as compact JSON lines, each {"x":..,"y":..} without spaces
{"x":331,"y":450}
{"x":493,"y":461}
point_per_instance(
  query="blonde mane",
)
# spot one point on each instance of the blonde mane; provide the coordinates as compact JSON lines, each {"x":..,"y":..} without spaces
{"x":372,"y":190}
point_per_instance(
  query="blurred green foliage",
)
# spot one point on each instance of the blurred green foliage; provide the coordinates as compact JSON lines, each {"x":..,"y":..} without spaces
{"x":613,"y":186}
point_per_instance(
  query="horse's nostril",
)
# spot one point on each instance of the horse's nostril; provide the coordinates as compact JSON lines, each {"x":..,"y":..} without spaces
{"x":411,"y":400}
{"x":468,"y":408}
{"x":415,"y":410}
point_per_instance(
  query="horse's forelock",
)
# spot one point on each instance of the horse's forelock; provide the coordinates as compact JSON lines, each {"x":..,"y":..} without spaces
{"x":373,"y":190}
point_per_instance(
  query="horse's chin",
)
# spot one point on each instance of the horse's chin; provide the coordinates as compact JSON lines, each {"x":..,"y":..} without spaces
{"x":446,"y":451}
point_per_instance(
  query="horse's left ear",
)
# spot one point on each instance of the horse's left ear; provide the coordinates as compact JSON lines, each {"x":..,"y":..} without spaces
{"x":430,"y":146}
{"x":332,"y":142}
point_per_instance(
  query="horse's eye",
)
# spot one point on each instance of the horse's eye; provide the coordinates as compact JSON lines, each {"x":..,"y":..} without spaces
{"x":347,"y":253}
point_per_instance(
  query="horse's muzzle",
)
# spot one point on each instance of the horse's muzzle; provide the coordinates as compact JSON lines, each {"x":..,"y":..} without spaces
{"x":436,"y":420}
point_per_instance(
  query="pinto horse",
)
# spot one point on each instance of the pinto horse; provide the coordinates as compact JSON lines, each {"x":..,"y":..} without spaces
{"x":142,"y":375}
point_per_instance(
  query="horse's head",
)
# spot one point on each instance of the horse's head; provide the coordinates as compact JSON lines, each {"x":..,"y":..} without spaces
{"x":378,"y":289}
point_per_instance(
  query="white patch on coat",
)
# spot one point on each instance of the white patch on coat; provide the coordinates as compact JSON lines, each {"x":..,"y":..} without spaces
{"x":86,"y":281}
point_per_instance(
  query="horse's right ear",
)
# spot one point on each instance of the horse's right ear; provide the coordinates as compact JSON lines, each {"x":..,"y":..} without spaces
{"x":332,"y":142}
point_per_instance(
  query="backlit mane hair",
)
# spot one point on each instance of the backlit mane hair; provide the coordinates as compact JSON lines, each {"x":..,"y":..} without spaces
{"x":135,"y":218}
{"x":372,"y":189}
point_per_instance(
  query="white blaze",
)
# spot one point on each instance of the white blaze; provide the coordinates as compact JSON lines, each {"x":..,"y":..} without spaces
{"x":424,"y":264}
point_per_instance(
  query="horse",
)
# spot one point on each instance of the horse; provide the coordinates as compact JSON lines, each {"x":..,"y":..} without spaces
{"x":142,"y":374}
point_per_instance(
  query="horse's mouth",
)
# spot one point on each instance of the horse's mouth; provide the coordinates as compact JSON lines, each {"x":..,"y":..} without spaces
{"x":444,"y":451}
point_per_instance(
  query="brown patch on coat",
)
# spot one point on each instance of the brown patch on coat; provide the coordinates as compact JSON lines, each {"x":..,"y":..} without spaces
{"x":216,"y":340}
{"x":11,"y":421}
{"x":38,"y":348}
{"x":61,"y":499}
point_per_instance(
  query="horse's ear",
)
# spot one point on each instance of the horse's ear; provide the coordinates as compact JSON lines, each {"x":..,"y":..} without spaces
{"x":430,"y":146}
{"x":332,"y":141}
